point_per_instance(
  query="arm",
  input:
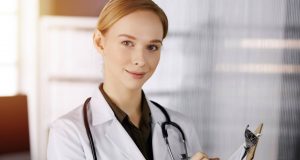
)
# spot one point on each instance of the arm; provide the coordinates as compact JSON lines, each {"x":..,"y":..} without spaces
{"x":64,"y":142}
{"x":238,"y":154}
{"x":195,"y":145}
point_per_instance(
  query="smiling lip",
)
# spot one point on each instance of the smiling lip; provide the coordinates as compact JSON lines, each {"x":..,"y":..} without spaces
{"x":136,"y":75}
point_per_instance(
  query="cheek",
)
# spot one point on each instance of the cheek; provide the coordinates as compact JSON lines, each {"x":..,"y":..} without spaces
{"x":153,"y":62}
{"x":116,"y":56}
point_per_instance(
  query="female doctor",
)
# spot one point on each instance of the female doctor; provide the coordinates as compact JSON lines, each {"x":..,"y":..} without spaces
{"x":123,"y":123}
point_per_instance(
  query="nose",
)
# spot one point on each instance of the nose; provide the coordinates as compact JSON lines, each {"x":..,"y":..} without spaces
{"x":138,"y":58}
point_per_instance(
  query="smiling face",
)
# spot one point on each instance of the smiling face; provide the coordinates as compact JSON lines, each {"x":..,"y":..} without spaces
{"x":131,"y":49}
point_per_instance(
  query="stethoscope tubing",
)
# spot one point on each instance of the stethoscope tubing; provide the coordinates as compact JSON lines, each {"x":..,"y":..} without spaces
{"x":163,"y":127}
{"x":87,"y":127}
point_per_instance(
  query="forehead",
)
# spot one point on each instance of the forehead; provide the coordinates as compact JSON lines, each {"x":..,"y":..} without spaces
{"x":140,"y":24}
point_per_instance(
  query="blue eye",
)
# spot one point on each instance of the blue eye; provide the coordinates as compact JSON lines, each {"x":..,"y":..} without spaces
{"x":127,"y":43}
{"x":152,"y":47}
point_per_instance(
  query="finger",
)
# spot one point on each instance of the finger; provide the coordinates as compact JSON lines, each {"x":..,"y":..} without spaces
{"x":204,"y":156}
{"x":214,"y":158}
{"x":199,"y":156}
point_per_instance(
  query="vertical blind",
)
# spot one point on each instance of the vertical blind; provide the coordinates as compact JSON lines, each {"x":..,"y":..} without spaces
{"x":231,"y":63}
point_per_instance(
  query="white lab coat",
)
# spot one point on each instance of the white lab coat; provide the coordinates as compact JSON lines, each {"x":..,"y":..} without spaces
{"x":68,"y":139}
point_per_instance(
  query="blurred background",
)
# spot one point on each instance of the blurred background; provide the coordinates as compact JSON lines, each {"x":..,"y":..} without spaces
{"x":225,"y":64}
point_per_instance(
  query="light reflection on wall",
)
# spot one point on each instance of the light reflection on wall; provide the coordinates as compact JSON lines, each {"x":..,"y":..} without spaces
{"x":259,"y":68}
{"x":8,"y":47}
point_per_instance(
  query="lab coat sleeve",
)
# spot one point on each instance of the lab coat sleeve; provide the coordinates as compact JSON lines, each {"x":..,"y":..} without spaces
{"x":64,"y":142}
{"x":196,"y":147}
{"x":193,"y":139}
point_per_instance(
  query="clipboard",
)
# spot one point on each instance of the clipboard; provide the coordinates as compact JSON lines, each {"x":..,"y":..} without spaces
{"x":251,"y":153}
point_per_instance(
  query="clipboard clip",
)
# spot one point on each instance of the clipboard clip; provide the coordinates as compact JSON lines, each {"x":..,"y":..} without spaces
{"x":251,"y":139}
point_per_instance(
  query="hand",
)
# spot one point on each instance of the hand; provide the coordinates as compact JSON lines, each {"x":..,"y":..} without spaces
{"x":202,"y":156}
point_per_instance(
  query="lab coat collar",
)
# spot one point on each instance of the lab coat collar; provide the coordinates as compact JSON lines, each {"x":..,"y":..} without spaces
{"x":156,"y":113}
{"x":100,"y":110}
{"x":118,"y":135}
{"x":102,"y":113}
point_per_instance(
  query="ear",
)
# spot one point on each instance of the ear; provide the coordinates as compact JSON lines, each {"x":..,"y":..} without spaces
{"x":98,"y":39}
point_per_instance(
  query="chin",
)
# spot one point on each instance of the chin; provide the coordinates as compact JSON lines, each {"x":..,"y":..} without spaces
{"x":131,"y":85}
{"x":134,"y":84}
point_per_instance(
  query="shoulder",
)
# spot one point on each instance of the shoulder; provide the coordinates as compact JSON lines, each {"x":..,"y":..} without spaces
{"x":70,"y":121}
{"x":65,"y":132}
{"x":175,"y":116}
{"x":180,"y":118}
{"x":67,"y":129}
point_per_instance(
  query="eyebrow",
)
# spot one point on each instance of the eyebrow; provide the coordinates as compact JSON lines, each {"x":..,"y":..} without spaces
{"x":132,"y":37}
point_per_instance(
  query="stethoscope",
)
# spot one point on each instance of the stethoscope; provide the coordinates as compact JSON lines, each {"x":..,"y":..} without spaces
{"x":168,"y":122}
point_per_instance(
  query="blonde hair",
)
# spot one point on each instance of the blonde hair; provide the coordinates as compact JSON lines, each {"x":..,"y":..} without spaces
{"x":114,"y":10}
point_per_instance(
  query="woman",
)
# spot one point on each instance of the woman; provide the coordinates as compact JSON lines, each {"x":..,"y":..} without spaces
{"x":124,"y":124}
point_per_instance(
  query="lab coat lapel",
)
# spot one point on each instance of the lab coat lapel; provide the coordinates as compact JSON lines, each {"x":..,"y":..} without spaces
{"x":101,"y":115}
{"x":100,"y":110}
{"x":159,"y":146}
{"x":160,"y":150}
{"x":118,"y":135}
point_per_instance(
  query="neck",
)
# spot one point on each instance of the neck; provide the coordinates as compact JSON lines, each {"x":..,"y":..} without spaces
{"x":127,"y":100}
